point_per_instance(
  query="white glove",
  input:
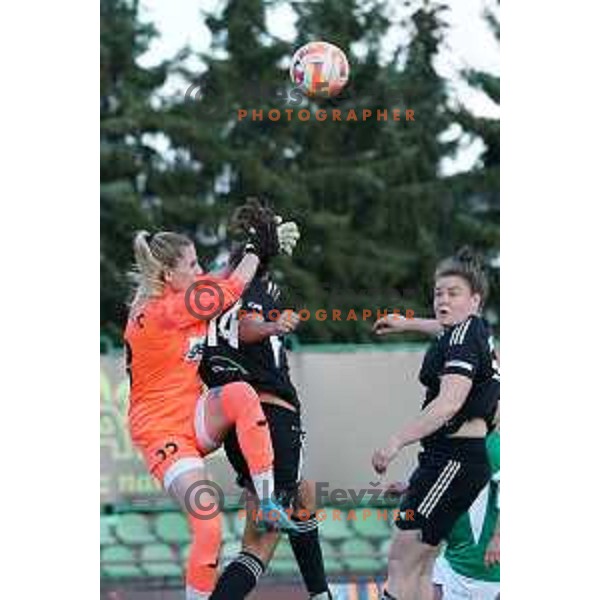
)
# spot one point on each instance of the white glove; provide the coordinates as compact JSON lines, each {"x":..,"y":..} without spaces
{"x":288,"y":235}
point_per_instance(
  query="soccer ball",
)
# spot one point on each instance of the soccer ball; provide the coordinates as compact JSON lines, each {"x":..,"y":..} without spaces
{"x":320,"y":69}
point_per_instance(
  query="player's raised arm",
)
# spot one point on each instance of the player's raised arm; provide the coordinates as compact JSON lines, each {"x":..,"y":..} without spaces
{"x":260,"y":245}
{"x":253,"y":327}
{"x":399,"y":324}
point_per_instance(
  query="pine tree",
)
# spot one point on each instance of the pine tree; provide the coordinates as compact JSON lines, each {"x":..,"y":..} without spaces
{"x":375,"y":211}
{"x":479,"y":219}
{"x":377,"y":201}
{"x":125,"y":114}
{"x":141,"y":188}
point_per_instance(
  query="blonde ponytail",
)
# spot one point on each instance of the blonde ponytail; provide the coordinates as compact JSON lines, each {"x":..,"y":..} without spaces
{"x":152,"y":258}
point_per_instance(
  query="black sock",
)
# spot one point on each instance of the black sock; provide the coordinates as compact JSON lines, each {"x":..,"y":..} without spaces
{"x":239,"y":578}
{"x":387,"y":596}
{"x":307,"y":550}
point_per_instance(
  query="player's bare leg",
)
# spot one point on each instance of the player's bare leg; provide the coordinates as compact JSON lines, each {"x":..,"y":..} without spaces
{"x":408,"y":560}
{"x":426,"y":587}
{"x":204,"y":518}
{"x":257,"y":541}
{"x":242,"y":574}
{"x":238,"y":405}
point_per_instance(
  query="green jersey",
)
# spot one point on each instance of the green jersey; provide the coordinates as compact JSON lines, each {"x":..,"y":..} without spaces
{"x":471,"y":534}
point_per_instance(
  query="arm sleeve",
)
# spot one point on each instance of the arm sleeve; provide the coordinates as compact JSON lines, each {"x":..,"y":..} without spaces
{"x":207,"y":299}
{"x":464,"y":353}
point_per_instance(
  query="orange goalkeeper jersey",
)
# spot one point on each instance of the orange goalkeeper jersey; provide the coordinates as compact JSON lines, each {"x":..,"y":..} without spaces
{"x":164,"y":342}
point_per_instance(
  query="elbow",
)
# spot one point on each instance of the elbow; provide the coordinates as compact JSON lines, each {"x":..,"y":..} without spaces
{"x":451,"y":407}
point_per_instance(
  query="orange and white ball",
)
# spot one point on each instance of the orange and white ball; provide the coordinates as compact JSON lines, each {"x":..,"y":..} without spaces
{"x":320,"y":69}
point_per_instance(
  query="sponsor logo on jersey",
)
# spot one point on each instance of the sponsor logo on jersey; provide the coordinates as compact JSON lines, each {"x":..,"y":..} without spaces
{"x":194,"y":353}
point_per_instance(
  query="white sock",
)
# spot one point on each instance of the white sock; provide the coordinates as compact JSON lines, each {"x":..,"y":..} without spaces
{"x":192,"y":594}
{"x":264,"y":484}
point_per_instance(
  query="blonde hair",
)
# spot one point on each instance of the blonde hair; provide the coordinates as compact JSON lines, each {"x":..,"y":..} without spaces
{"x":153,"y":256}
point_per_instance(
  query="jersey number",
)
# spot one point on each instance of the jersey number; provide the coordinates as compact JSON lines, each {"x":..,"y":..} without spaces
{"x":276,"y":346}
{"x":226,"y":327}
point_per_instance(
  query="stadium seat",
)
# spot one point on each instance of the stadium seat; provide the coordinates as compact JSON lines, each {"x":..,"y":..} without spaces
{"x":359,"y":557}
{"x":172,"y":528}
{"x":284,"y":567}
{"x":238,"y":525}
{"x":331,"y":558}
{"x":134,"y":529}
{"x":184,"y":554}
{"x":335,"y":530}
{"x":119,"y":561}
{"x":106,"y":530}
{"x":384,"y":548}
{"x":372,"y":528}
{"x":159,"y":560}
{"x":284,"y":561}
{"x":229,"y":533}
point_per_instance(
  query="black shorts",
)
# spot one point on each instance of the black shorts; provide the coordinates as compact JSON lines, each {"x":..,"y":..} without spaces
{"x":287,"y":438}
{"x":447,"y":481}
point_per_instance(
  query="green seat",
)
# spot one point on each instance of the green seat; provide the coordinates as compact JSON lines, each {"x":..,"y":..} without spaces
{"x":284,"y":549}
{"x":134,"y":529}
{"x":238,"y":525}
{"x":331,"y":558}
{"x":384,"y":549}
{"x":372,"y":528}
{"x":159,"y":560}
{"x":283,"y":567}
{"x":172,"y":528}
{"x":106,"y":530}
{"x":184,"y":554}
{"x":335,"y":530}
{"x":359,"y":557}
{"x":229,"y":533}
{"x":119,"y":562}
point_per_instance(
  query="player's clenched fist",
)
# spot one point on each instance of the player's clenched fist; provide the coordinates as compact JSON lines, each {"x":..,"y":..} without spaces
{"x":287,"y":322}
{"x":390,"y":324}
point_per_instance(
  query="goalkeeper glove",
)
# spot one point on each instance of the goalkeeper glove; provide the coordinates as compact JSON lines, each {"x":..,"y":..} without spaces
{"x":288,"y":235}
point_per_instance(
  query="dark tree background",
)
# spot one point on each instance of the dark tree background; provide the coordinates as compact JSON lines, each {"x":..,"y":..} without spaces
{"x":375,"y":211}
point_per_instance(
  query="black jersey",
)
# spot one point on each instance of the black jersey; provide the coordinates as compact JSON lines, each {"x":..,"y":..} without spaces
{"x":464,"y":349}
{"x":263,"y":364}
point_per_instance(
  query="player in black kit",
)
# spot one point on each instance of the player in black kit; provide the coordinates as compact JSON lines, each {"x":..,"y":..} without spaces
{"x":247,"y":344}
{"x":462,"y":384}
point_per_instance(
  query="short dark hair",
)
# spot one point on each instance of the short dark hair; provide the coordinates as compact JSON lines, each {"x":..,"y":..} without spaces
{"x":467,"y":265}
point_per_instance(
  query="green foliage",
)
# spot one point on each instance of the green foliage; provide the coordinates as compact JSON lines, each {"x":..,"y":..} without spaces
{"x":375,"y":213}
